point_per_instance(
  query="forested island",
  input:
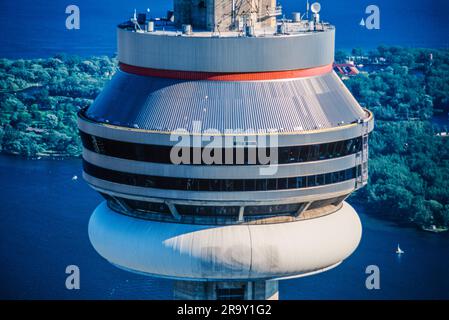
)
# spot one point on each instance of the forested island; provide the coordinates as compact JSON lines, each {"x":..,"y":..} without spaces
{"x":39,"y":100}
{"x":409,"y":154}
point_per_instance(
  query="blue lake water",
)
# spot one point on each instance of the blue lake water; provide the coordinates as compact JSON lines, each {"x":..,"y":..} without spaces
{"x":44,"y":217}
{"x":36,"y":28}
{"x":441,"y":120}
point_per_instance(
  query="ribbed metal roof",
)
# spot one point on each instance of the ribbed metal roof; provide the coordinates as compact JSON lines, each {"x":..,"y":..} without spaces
{"x":285,"y":105}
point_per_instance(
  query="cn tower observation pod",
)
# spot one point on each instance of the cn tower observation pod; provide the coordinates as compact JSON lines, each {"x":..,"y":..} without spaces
{"x":224,"y":253}
{"x":225,"y":151}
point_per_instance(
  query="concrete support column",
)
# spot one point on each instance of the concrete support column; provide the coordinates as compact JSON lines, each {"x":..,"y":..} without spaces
{"x":226,"y":290}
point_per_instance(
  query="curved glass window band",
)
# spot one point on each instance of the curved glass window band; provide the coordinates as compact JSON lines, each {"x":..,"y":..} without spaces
{"x":219,"y":185}
{"x":240,"y":156}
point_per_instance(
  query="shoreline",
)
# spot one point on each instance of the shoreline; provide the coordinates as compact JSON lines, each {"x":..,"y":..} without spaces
{"x":396,"y":221}
{"x":41,"y":156}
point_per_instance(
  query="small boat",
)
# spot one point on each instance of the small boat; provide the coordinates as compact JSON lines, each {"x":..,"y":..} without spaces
{"x":435,"y":229}
{"x":399,"y":250}
{"x":74,"y":178}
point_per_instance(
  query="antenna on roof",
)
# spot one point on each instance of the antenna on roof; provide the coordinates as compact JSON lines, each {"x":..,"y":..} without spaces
{"x":316,"y":8}
{"x":135,"y":21}
{"x":307,"y":10}
{"x":233,"y":18}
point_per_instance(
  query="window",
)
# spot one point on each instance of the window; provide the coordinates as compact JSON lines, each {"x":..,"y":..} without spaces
{"x":320,"y":179}
{"x":143,"y":209}
{"x":273,"y":210}
{"x":239,"y":185}
{"x":331,"y":150}
{"x":314,"y":152}
{"x":311,"y":181}
{"x":284,"y":155}
{"x":349,"y":174}
{"x":328,"y":178}
{"x":161,"y":154}
{"x":231,"y":293}
{"x":304,"y":153}
{"x":338,"y":152}
{"x":292,"y":183}
{"x":218,"y":185}
{"x":282,"y":183}
{"x":335,"y":177}
{"x":326,"y":202}
{"x":191,"y":210}
{"x":341,"y":175}
{"x":324,"y":151}
{"x":138,"y":205}
{"x":228,"y":185}
{"x":215,"y":185}
{"x":272,"y":184}
{"x":250,"y":185}
{"x":261,"y":184}
{"x":349,"y":146}
{"x":293,"y":154}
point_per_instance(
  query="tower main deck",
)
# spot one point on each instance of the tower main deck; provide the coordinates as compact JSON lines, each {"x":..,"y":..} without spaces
{"x":225,"y":151}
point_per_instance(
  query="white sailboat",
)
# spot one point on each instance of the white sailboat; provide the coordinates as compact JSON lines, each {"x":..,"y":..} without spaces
{"x":399,"y":250}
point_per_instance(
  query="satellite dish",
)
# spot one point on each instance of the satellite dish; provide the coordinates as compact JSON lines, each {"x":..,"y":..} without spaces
{"x":316,"y":7}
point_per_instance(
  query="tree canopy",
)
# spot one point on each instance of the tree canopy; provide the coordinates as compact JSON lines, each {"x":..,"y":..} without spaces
{"x":409,"y":160}
{"x":40,"y":99}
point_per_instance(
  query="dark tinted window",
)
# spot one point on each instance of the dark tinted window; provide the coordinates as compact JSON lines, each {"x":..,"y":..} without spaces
{"x":140,"y":208}
{"x":283,"y":209}
{"x":189,"y":210}
{"x":161,"y":154}
{"x":231,"y":293}
{"x":326,"y":202}
{"x":146,"y":206}
{"x":216,"y":184}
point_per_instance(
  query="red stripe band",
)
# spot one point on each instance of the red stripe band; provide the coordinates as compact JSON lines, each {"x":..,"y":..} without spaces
{"x":219,"y":76}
